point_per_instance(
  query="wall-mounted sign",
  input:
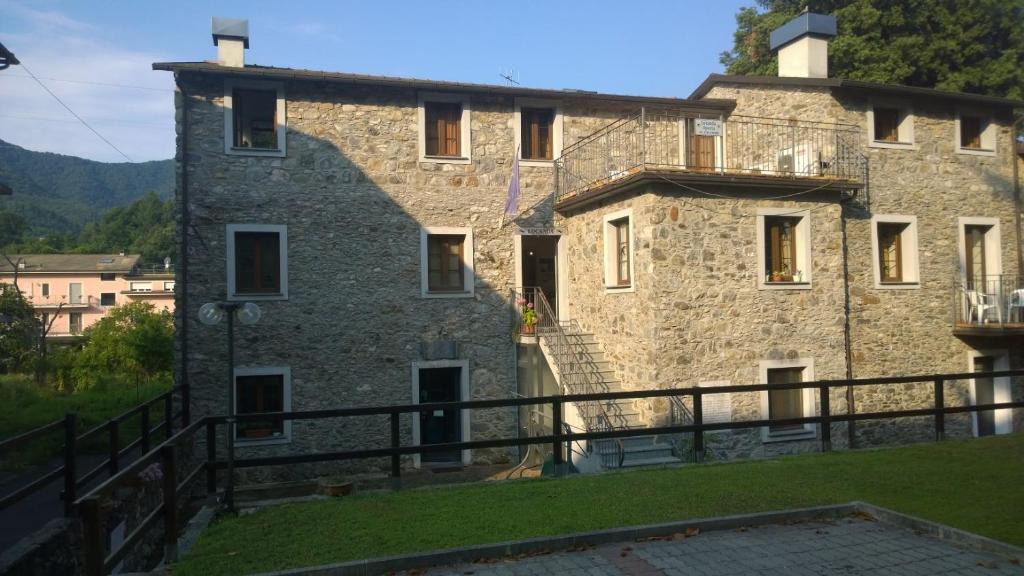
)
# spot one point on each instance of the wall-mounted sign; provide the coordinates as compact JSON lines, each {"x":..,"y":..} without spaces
{"x":707,"y":127}
{"x":539,"y":231}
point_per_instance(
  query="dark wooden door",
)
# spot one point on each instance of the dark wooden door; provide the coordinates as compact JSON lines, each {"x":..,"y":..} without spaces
{"x":440,"y":426}
{"x":985,"y":393}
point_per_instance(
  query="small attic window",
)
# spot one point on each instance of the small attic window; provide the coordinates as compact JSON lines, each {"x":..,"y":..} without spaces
{"x":106,"y":260}
{"x":255,"y":119}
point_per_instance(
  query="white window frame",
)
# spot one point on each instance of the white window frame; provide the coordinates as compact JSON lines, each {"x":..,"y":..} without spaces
{"x":230,"y":85}
{"x":905,"y":130}
{"x":286,"y":402}
{"x":1002,"y":389}
{"x":140,"y":287}
{"x":803,"y":249}
{"x":465,"y":136}
{"x":556,"y":129}
{"x":282,"y":231}
{"x":169,"y":286}
{"x":993,"y":257}
{"x":989,"y":134}
{"x":468,"y":276}
{"x":464,"y":394}
{"x":909,"y":260}
{"x":809,"y":431}
{"x":611,"y":267}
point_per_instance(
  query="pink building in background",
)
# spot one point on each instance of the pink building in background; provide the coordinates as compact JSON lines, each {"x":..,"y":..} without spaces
{"x":79,"y":289}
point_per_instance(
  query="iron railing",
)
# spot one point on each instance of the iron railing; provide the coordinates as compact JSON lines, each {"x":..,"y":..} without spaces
{"x":989,"y":301}
{"x":670,"y":141}
{"x":64,"y":302}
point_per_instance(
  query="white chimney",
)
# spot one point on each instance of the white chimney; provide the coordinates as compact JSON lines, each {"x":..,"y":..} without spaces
{"x":231,"y":37}
{"x":802,"y":44}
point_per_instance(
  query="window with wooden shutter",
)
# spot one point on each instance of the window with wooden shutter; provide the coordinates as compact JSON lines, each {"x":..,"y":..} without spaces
{"x":257,"y":263}
{"x":780,"y":248}
{"x":974,"y":241}
{"x":890,"y":251}
{"x":622,"y":252}
{"x":443,"y":129}
{"x":887,"y":124}
{"x":537,"y":131}
{"x":445,"y":269}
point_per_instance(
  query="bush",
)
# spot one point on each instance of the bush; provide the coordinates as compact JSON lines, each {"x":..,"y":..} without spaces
{"x":133,"y":342}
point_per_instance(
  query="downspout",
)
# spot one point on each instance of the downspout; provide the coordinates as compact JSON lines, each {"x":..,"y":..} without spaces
{"x":182,"y":304}
{"x":851,"y":426}
{"x":1018,"y":202}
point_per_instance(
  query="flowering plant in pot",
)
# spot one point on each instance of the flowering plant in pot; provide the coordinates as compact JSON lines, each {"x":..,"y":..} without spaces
{"x":529,"y":314}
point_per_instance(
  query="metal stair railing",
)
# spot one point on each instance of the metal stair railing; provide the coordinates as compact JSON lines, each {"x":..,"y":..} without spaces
{"x":572,"y":378}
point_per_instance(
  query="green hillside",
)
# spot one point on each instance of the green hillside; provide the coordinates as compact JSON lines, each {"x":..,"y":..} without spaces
{"x":57,"y":194}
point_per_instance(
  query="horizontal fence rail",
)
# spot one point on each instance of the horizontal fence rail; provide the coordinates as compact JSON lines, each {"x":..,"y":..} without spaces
{"x":177,"y":480}
{"x":667,"y":140}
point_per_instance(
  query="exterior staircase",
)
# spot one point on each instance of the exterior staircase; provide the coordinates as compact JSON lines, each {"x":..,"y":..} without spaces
{"x":580,"y":367}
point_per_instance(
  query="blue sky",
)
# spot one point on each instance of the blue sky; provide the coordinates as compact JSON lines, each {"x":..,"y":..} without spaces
{"x":88,"y":53}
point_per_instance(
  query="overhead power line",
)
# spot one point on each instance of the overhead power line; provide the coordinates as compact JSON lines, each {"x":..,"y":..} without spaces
{"x":68,"y":108}
{"x":91,"y":83}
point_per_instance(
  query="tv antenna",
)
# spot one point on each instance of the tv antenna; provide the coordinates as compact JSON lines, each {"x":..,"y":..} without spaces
{"x":511,"y":76}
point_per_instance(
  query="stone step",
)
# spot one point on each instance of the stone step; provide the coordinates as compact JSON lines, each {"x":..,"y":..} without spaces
{"x":605,"y":446}
{"x":660,"y":461}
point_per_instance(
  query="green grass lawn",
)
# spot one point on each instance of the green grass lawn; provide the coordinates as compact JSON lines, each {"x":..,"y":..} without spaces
{"x":975,"y":485}
{"x":24,"y":406}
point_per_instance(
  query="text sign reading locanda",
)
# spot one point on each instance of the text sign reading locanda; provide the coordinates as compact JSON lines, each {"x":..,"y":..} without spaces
{"x":707,"y":127}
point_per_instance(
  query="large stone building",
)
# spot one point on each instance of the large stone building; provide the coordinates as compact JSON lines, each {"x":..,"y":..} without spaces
{"x":762,"y":230}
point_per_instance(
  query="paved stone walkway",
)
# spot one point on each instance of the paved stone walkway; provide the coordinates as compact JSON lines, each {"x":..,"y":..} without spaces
{"x":850,"y":546}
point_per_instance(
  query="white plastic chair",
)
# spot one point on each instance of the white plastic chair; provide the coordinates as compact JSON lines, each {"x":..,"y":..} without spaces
{"x":1015,"y":306}
{"x":980,"y":306}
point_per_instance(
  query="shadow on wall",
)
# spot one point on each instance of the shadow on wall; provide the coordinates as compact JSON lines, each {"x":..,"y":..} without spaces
{"x":355,"y":327}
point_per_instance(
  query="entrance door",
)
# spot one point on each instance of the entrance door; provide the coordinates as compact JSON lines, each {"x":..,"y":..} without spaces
{"x":701,"y":151}
{"x":985,"y":393}
{"x":75,"y":293}
{"x":440,"y":426}
{"x":540,"y":266}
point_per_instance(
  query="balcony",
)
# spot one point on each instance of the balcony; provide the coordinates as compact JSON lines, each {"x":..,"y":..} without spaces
{"x":989,"y":306}
{"x":54,"y":302}
{"x":741,"y":150}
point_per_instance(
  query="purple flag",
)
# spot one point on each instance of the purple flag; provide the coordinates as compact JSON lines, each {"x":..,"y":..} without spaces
{"x":512,"y":203}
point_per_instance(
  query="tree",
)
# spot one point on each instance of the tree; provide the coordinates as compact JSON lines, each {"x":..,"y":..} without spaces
{"x":131,"y":340}
{"x":972,"y":46}
{"x":18,"y":328}
{"x":12,"y":226}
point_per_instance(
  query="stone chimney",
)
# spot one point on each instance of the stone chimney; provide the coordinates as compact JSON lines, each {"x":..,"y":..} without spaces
{"x":802,"y":44}
{"x":231,"y":37}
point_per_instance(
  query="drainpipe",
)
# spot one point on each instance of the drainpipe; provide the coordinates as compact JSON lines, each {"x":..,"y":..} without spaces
{"x":182,"y":303}
{"x":851,"y":426}
{"x":1018,"y":202}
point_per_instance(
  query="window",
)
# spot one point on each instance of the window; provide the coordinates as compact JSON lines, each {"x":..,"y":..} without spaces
{"x":75,"y":323}
{"x":169,"y":286}
{"x":140,"y":286}
{"x":782,"y":404}
{"x":975,"y":134}
{"x":108,"y":299}
{"x":784,"y":248}
{"x":257,"y":261}
{"x":106,"y":276}
{"x":444,"y":128}
{"x":537,"y":130}
{"x":980,"y":254}
{"x":261,"y":390}
{"x":254,"y":118}
{"x":618,"y":251}
{"x":44,"y":290}
{"x":446,"y":259}
{"x":890,"y":126}
{"x":894,"y":246}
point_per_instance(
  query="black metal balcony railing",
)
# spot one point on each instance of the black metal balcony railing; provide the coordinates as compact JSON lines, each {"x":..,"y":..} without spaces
{"x":666,"y":141}
{"x":989,"y":302}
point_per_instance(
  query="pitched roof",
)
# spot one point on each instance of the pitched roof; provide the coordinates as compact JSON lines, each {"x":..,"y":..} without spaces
{"x":54,"y":263}
{"x":893,"y":89}
{"x":396,"y":81}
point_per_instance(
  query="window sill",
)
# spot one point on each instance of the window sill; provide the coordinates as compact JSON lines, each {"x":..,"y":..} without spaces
{"x":260,"y":296}
{"x":897,"y":285}
{"x":892,"y":145}
{"x":619,"y":289}
{"x":785,"y":285}
{"x":459,"y":294}
{"x":976,"y":151}
{"x":537,"y":163}
{"x":446,"y":159}
{"x":242,"y":151}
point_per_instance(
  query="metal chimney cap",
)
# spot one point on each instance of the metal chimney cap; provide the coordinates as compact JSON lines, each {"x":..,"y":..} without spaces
{"x":806,"y":24}
{"x":233,"y":28}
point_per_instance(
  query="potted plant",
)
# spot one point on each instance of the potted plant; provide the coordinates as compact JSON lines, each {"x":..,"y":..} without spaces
{"x":529,"y":315}
{"x":776,"y":275}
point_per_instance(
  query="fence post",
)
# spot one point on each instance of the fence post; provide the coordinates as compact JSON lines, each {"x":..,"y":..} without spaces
{"x":93,"y":537}
{"x":169,"y":414}
{"x":940,"y":416}
{"x":698,"y":421}
{"x":211,"y":456}
{"x":145,"y":429}
{"x":70,"y":482}
{"x":170,"y":472}
{"x":556,"y":431}
{"x":396,"y":460}
{"x":826,"y":419}
{"x":115,"y":446}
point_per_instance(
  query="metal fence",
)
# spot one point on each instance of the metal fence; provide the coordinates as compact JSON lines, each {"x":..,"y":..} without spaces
{"x":659,"y":140}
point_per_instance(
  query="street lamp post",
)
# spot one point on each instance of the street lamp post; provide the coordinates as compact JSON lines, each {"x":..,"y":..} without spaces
{"x":210,"y":314}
